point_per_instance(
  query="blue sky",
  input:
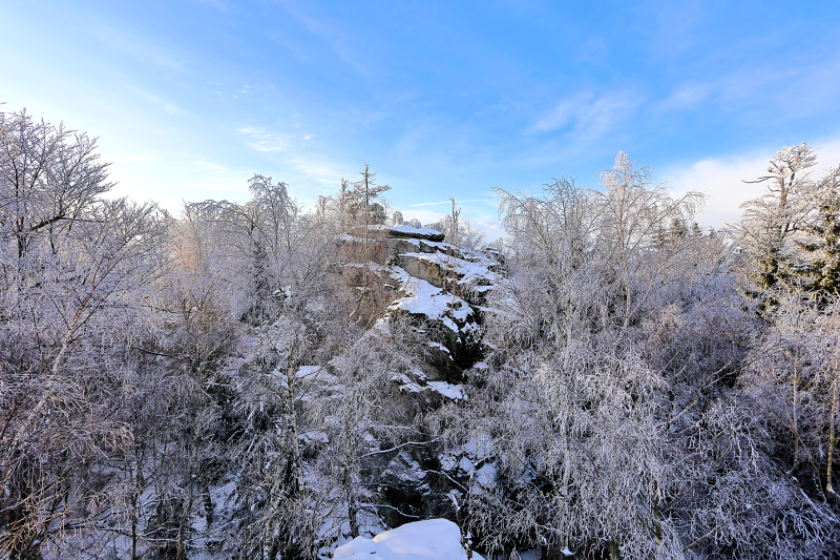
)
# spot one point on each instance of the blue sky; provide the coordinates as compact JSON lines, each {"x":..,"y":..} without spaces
{"x":189,"y":99}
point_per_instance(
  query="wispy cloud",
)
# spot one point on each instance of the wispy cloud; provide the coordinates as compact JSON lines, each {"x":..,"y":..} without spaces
{"x":685,"y":96}
{"x":751,"y":91}
{"x":171,"y":181}
{"x":219,"y":5}
{"x":264,"y":140}
{"x":162,"y":103}
{"x":136,"y":47}
{"x":320,"y":171}
{"x":130,"y":158}
{"x":584,"y":110}
{"x":423,"y":215}
{"x":336,"y":39}
{"x":589,"y":117}
{"x":722,"y":181}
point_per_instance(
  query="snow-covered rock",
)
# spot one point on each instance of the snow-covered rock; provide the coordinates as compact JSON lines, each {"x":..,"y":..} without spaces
{"x":409,"y":231}
{"x":402,"y":245}
{"x":432,"y":539}
{"x":438,"y":286}
{"x":454,"y":318}
{"x":470,"y":279}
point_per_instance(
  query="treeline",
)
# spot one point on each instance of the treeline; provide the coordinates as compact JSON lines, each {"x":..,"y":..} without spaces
{"x":146,"y":358}
{"x":657,"y":391}
{"x":221,"y":383}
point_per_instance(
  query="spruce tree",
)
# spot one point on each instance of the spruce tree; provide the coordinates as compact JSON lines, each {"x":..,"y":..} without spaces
{"x":822,"y":269}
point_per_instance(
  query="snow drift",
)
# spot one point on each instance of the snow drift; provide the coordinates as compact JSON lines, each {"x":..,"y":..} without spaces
{"x":433,"y":539}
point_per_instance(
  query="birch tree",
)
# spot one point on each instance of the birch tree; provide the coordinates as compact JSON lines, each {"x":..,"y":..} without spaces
{"x":609,"y":398}
{"x":76,"y":272}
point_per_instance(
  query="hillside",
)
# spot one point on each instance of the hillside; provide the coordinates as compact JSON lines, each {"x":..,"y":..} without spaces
{"x":258,"y":380}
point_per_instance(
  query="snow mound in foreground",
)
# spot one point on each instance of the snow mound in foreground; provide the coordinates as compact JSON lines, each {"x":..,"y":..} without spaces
{"x":433,"y":539}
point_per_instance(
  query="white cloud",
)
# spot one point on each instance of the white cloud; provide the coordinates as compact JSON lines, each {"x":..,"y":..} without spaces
{"x":754,"y":90}
{"x":492,"y":228}
{"x":322,"y":172}
{"x":722,"y":180}
{"x":309,"y":176}
{"x":170,"y":182}
{"x":481,"y":213}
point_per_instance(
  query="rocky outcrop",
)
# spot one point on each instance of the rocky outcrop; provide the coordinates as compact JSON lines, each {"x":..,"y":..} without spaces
{"x":444,"y":289}
{"x":440,"y":287}
{"x":448,"y":320}
{"x":469,"y":279}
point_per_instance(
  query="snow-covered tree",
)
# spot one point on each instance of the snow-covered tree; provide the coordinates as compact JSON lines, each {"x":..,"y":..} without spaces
{"x":609,"y":399}
{"x":770,"y":222}
{"x":77,"y":274}
{"x":821,"y":266}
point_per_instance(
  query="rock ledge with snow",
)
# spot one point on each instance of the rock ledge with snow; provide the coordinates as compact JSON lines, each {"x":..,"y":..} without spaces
{"x":441,"y":288}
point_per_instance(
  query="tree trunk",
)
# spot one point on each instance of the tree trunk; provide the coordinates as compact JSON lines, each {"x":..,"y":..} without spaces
{"x":831,"y":437}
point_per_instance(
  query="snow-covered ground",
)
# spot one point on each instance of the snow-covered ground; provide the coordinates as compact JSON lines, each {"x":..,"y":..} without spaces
{"x":432,"y":539}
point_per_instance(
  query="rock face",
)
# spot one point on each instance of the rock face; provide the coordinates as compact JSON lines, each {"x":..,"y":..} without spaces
{"x":439,"y":287}
{"x":442,"y":292}
{"x":443,"y":289}
{"x":448,"y":320}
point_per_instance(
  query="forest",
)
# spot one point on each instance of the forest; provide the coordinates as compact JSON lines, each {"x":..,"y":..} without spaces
{"x":261,"y":380}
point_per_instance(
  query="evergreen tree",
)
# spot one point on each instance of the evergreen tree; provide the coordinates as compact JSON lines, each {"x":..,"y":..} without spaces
{"x":823,"y":269}
{"x":366,"y":191}
{"x":771,"y":221}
